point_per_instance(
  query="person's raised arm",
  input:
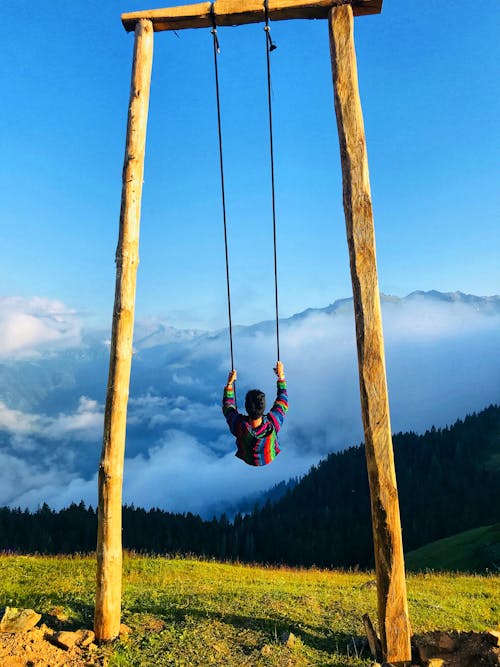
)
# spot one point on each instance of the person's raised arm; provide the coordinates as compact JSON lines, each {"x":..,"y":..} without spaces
{"x":280,"y":407}
{"x":229,"y":401}
{"x":231,"y":378}
{"x":279,"y":370}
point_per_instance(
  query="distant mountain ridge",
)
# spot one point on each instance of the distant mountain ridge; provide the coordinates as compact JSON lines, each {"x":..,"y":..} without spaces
{"x":456,"y":297}
{"x":491,"y":302}
{"x":442,"y":357}
{"x":166,"y":334}
{"x":67,"y":369}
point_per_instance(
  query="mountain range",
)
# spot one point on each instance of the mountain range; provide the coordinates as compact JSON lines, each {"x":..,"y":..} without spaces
{"x":443,"y":361}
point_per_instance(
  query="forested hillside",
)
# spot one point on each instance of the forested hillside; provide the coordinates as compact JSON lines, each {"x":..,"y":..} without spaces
{"x":449,"y":481}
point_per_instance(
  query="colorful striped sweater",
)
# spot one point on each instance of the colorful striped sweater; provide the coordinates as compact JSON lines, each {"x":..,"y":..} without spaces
{"x":256,"y":446}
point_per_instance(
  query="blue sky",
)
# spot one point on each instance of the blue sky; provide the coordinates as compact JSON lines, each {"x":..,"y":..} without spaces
{"x":429,"y":85}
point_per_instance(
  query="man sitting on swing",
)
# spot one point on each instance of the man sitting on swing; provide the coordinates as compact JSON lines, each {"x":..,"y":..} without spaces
{"x":256,"y":433}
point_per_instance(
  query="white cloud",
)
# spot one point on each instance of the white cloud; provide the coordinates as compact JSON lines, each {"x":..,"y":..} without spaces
{"x":179,"y":474}
{"x":182,"y":474}
{"x":33,"y":326}
{"x":443,"y":362}
{"x":184,"y":379}
{"x":28,"y":484}
{"x":179,"y":411}
{"x":421,"y":320}
{"x":17,"y":422}
{"x":85,"y":424}
{"x":32,"y":473}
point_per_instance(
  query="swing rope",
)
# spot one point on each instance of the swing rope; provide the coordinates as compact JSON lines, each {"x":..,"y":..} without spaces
{"x":270,"y":46}
{"x":223,"y":191}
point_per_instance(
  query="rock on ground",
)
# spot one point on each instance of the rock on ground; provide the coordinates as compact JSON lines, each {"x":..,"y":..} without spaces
{"x":19,"y":649}
{"x":18,"y":620}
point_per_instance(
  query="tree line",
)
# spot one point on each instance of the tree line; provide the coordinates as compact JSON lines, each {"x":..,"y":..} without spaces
{"x":448,"y":482}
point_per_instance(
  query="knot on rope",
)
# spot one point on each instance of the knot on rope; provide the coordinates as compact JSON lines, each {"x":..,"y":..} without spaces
{"x":270,"y":44}
{"x":214,"y":27}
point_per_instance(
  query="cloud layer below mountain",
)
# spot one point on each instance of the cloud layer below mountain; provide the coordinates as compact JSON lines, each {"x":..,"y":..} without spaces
{"x":31,"y":327}
{"x":443,"y":361}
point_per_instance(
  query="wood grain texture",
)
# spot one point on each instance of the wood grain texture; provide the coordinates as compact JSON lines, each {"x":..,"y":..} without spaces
{"x":240,"y":12}
{"x":373,"y":641}
{"x":109,"y":540}
{"x":391,"y":586}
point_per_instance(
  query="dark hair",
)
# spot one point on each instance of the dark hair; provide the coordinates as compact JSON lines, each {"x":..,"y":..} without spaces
{"x":255,"y":403}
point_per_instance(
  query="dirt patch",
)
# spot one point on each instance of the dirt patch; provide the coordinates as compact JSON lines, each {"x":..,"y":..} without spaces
{"x":33,"y":648}
{"x":36,"y":648}
{"x":457,"y":649}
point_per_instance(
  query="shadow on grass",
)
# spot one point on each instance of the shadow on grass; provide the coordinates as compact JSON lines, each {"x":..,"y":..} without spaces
{"x":318,"y":638}
{"x":150,"y":619}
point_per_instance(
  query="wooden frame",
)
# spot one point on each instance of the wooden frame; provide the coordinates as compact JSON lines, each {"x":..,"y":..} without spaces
{"x":239,"y":12}
{"x":391,"y":586}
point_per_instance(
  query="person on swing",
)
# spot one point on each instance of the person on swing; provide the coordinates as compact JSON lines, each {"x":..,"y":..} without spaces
{"x":256,"y":433}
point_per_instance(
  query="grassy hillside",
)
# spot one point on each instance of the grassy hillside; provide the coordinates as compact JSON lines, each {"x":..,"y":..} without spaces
{"x":187,"y":612}
{"x":475,"y":550}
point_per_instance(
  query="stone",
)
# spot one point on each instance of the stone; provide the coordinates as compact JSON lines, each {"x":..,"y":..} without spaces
{"x":64,"y":639}
{"x":425,"y":652}
{"x":288,"y":639}
{"x":18,"y":620}
{"x":494,"y":637}
{"x":124,"y":630}
{"x":47,"y":632}
{"x":85,"y":637}
{"x":446,"y":642}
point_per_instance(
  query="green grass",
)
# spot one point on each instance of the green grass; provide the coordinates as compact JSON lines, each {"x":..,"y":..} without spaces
{"x":189,"y":613}
{"x":475,"y":550}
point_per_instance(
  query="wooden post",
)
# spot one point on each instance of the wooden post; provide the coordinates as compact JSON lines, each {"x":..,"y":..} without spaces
{"x":389,"y":563}
{"x":109,"y":537}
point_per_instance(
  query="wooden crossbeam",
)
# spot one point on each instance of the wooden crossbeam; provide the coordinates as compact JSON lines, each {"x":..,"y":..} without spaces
{"x":240,"y":12}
